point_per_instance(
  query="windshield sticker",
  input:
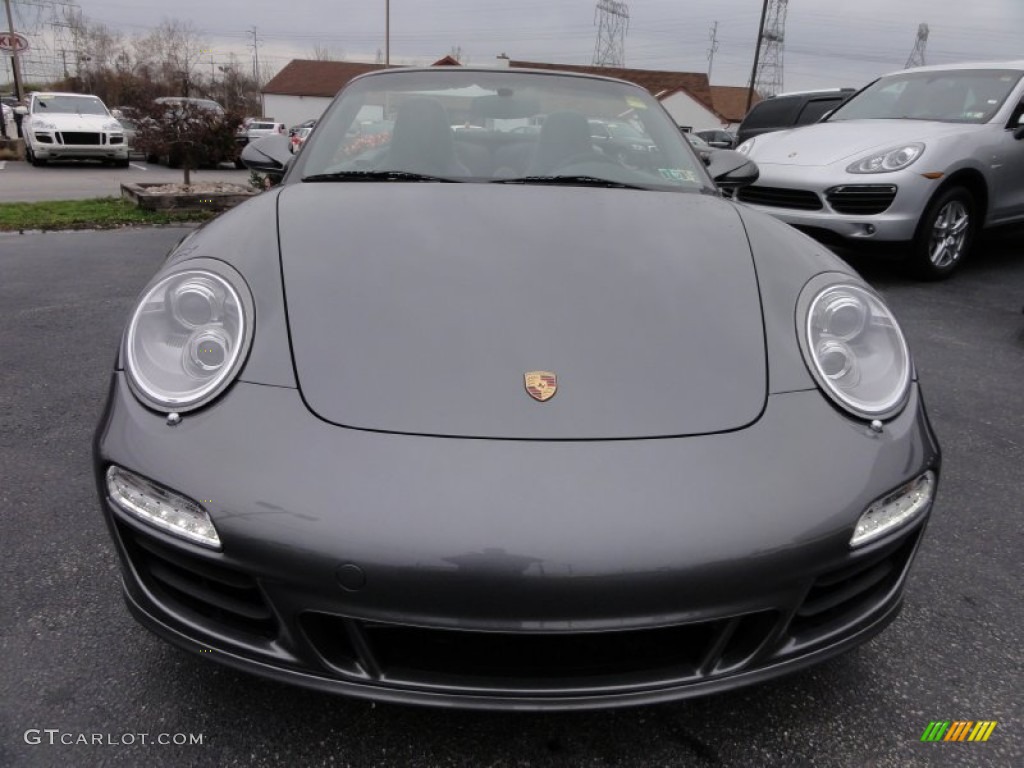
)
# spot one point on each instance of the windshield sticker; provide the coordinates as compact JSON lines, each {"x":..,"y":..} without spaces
{"x":635,"y":103}
{"x":678,"y":174}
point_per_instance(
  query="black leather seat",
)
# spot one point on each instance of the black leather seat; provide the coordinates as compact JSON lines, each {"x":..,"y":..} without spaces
{"x":422,"y":141}
{"x":564,"y":136}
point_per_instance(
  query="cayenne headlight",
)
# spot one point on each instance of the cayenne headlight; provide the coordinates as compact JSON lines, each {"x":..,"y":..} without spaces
{"x":856,"y":351}
{"x":746,"y":146}
{"x":187,"y":339}
{"x":890,"y":160}
{"x":113,"y":125}
{"x":43,"y":125}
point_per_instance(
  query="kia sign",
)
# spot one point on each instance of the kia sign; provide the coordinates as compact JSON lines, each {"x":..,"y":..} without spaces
{"x":12,"y":42}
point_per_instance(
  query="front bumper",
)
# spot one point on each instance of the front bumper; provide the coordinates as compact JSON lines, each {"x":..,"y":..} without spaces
{"x":50,"y":146}
{"x":514,"y":574}
{"x":897,"y":223}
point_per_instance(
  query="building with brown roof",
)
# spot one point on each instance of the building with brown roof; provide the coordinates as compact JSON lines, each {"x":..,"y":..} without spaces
{"x":304,"y":88}
{"x":730,"y":101}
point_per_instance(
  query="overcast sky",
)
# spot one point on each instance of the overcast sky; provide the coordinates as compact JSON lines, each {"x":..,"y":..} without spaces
{"x":828,"y":42}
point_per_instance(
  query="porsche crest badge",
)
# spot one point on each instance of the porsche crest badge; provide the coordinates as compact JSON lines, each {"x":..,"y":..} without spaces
{"x":540,"y":385}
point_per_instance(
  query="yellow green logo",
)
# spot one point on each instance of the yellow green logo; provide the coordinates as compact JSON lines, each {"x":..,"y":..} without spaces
{"x":958,"y":730}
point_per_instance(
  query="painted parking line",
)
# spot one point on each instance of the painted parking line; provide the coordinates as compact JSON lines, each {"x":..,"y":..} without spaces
{"x":140,"y":167}
{"x":3,"y":164}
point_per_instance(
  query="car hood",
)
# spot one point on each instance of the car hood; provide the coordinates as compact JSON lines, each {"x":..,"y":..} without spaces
{"x":845,"y":140}
{"x":74,"y":122}
{"x":419,"y":308}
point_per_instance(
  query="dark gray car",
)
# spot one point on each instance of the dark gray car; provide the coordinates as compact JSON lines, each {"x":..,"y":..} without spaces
{"x":485,"y":418}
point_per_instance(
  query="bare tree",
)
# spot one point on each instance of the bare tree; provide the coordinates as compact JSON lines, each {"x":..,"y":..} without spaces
{"x":323,"y":52}
{"x":174,"y":48}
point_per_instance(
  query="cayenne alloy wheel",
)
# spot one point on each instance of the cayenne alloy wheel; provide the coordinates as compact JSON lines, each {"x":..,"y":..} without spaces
{"x":945,"y":234}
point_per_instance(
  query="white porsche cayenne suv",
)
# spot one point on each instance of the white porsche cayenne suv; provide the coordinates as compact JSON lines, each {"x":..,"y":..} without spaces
{"x":925,"y":157}
{"x":72,"y":126}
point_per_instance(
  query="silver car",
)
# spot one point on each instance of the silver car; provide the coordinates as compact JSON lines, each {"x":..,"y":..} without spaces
{"x":925,"y":157}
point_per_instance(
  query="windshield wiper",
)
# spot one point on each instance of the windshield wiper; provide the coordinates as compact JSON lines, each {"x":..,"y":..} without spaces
{"x":580,"y":181}
{"x":376,"y":176}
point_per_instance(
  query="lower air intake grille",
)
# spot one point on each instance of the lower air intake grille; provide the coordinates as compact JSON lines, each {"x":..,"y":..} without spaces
{"x":778,"y":197}
{"x":228,"y":597}
{"x":428,"y":656}
{"x":92,"y":139}
{"x":862,"y":199}
{"x":850,"y":594}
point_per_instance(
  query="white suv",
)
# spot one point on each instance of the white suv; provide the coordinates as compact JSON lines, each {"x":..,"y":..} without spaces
{"x":927,"y":157}
{"x":72,"y":126}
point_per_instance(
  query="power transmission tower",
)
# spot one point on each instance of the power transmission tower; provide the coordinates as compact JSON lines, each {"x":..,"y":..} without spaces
{"x":916,"y":58}
{"x":768,"y":73}
{"x":713,"y":37}
{"x":612,"y":19}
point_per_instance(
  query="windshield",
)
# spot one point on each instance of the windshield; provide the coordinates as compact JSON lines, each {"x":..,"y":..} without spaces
{"x":954,"y":96}
{"x":485,"y":126}
{"x":80,"y":105}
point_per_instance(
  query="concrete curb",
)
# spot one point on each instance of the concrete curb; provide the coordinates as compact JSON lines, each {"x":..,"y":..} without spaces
{"x":184,"y":201}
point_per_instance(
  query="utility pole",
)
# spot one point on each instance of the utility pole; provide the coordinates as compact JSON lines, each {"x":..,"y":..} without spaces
{"x":255,"y":56}
{"x":14,"y":56}
{"x":256,"y":68}
{"x":387,"y":33}
{"x":713,"y":49}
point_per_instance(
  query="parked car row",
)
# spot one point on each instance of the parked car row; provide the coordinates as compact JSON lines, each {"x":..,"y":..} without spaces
{"x":73,"y":126}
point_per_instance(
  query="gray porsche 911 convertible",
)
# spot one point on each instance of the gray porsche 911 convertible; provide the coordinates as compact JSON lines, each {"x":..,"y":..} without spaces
{"x":469,"y":413}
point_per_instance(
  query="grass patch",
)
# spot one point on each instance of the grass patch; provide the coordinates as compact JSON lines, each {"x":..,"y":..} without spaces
{"x":102,"y":213}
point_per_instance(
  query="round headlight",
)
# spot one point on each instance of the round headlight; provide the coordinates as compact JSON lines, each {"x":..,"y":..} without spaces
{"x":856,"y":351}
{"x":186,"y":339}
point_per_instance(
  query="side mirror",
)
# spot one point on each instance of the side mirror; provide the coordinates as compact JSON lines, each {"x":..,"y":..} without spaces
{"x":1018,"y":132}
{"x":269,"y":155}
{"x":731,"y":170}
{"x":21,"y":110}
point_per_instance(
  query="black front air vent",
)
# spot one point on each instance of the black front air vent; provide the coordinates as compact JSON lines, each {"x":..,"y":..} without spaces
{"x":433,"y":657}
{"x":227,"y":597}
{"x":80,"y":139}
{"x":861,"y":199}
{"x":779,"y":197}
{"x":852,"y":593}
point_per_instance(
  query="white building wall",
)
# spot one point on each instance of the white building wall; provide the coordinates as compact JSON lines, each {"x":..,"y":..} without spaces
{"x":689,"y":112}
{"x":292,"y":110}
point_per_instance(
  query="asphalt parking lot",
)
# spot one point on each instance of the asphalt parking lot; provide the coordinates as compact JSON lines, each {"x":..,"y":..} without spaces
{"x":85,"y":179}
{"x":73,"y":661}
